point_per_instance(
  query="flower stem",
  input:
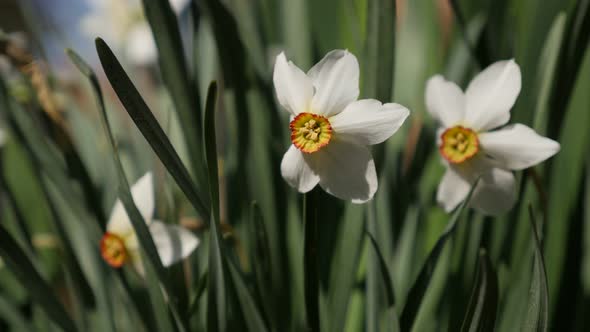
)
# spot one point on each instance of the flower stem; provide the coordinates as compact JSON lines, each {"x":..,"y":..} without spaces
{"x":310,"y":261}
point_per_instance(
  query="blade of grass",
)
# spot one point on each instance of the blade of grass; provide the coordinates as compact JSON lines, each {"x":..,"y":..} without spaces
{"x":418,"y":289}
{"x":482,"y":308}
{"x":149,"y":127}
{"x":18,"y":262}
{"x":217,"y":302}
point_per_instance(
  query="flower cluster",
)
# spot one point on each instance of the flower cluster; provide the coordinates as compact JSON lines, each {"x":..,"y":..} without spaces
{"x":331,"y":130}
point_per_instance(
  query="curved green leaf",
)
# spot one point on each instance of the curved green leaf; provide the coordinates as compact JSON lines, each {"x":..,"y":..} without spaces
{"x":483,"y":304}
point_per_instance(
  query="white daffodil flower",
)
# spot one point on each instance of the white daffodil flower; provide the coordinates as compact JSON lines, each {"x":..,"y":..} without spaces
{"x":330,"y":129}
{"x":120,"y":245}
{"x":468,"y":147}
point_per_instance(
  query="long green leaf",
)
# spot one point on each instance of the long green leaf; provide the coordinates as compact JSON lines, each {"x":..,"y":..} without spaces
{"x":139,"y":224}
{"x":384,"y":271}
{"x":250,"y":310}
{"x":482,"y":308}
{"x":311,"y":276}
{"x":148,"y":125}
{"x":420,"y":286}
{"x":217,"y":302}
{"x":18,"y":262}
{"x":175,"y":75}
{"x":537,"y":318}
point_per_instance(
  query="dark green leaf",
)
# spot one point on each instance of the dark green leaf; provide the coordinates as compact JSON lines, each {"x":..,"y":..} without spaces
{"x":139,"y":224}
{"x":216,"y":302}
{"x":537,"y":318}
{"x":384,"y":272}
{"x":250,"y":310}
{"x":418,"y":289}
{"x":483,"y":304}
{"x":148,"y":125}
{"x":185,"y":95}
{"x":18,"y":262}
{"x":311,"y":282}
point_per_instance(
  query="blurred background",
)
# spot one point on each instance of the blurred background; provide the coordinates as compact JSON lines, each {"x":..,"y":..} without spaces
{"x":58,"y":181}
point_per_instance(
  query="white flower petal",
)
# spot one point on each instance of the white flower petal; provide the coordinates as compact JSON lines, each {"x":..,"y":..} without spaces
{"x":140,"y":46}
{"x":491,"y":94}
{"x":173,"y":242}
{"x":495,"y":193}
{"x":346,"y":170}
{"x":517,"y":146}
{"x":143,"y":196}
{"x":119,"y":222}
{"x":179,"y":5}
{"x":368,"y":122}
{"x":296,"y":171}
{"x":445,"y":101}
{"x":336,"y":82}
{"x":294,"y":89}
{"x":452,"y":190}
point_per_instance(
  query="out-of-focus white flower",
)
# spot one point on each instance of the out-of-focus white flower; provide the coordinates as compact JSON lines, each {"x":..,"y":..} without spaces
{"x":121,"y":23}
{"x":330,"y":129}
{"x":120,"y":245}
{"x":468,"y":147}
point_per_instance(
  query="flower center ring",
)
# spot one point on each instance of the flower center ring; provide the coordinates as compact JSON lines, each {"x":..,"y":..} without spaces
{"x":310,"y":132}
{"x":458,"y":144}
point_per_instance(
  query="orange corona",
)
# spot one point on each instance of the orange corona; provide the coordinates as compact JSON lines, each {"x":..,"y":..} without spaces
{"x":112,"y":249}
{"x":310,"y":132}
{"x":458,"y":144}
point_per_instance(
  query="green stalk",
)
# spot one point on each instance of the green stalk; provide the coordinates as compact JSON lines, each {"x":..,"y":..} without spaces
{"x":310,"y":262}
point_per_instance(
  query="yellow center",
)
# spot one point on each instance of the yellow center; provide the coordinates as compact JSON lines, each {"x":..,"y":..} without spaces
{"x":458,"y":144}
{"x":113,"y":250}
{"x":310,"y":132}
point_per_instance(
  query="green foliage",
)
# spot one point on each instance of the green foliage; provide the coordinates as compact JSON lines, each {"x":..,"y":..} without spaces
{"x":269,"y":258}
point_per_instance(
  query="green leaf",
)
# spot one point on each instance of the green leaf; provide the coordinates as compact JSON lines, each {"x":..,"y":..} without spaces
{"x":148,"y":125}
{"x":216,"y":302}
{"x":384,"y":272}
{"x":311,"y":282}
{"x":537,"y":318}
{"x":261,"y":261}
{"x":250,"y":310}
{"x":185,"y":94}
{"x":345,"y":264}
{"x":483,"y":304}
{"x":139,"y":224}
{"x":18,"y":262}
{"x":566,"y":180}
{"x":380,"y":50}
{"x":418,"y":289}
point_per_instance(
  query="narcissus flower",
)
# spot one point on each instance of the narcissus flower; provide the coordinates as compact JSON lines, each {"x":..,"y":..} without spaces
{"x":119,"y":245}
{"x":330,"y":129}
{"x":468,"y":147}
